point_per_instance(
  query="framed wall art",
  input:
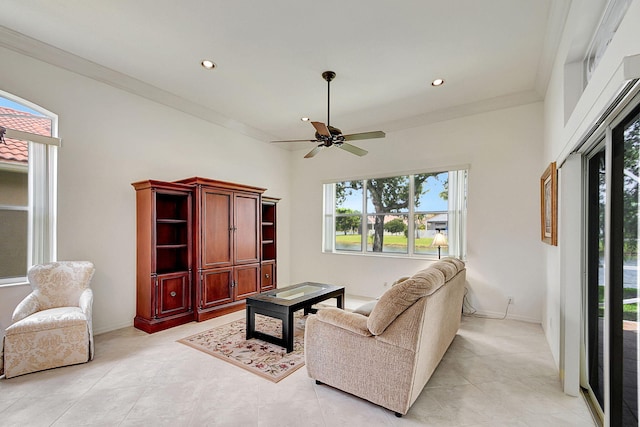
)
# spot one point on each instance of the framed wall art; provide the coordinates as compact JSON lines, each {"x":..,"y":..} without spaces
{"x":549,"y":205}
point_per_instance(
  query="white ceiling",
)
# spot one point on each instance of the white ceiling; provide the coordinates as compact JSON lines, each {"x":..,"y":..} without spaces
{"x":270,"y":56}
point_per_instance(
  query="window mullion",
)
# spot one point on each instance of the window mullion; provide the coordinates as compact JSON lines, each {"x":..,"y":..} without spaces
{"x":363,"y":221}
{"x":410,"y":217}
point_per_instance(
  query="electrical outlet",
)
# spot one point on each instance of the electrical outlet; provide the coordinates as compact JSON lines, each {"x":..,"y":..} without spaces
{"x":385,"y":284}
{"x":511,"y":300}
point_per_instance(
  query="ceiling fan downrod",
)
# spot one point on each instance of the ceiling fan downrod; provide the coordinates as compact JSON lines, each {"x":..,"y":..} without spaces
{"x":328,"y":76}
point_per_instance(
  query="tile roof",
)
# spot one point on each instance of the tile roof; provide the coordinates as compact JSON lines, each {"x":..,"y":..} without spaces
{"x":16,"y":151}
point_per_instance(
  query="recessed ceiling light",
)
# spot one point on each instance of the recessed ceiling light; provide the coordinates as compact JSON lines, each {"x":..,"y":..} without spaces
{"x":209,"y":65}
{"x":304,"y":119}
{"x":437,"y":82}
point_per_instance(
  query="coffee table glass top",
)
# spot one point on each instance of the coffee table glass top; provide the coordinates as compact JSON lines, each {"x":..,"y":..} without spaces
{"x":302,"y":291}
{"x":295,"y":294}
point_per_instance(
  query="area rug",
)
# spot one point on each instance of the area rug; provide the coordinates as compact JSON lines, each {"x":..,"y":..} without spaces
{"x":270,"y":361}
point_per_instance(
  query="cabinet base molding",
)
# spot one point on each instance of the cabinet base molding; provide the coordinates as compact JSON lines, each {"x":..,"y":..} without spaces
{"x":156,"y":325}
{"x":220,"y":310}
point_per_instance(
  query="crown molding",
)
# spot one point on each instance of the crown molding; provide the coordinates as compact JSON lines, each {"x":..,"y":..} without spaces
{"x":483,"y":106}
{"x":558,"y":13}
{"x":41,"y":51}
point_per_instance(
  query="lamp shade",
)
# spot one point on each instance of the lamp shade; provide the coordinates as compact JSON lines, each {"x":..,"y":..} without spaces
{"x":439,"y":240}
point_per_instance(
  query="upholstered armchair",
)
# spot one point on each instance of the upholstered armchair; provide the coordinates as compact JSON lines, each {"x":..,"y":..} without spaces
{"x":51,"y":327}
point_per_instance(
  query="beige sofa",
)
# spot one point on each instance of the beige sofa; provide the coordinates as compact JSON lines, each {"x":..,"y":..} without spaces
{"x":388,"y":357}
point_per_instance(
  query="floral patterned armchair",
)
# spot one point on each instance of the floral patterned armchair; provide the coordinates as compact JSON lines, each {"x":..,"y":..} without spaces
{"x":51,"y":327}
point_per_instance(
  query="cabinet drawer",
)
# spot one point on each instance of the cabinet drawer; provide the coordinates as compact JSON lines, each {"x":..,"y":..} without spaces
{"x":173,"y":294}
{"x":268,"y":279}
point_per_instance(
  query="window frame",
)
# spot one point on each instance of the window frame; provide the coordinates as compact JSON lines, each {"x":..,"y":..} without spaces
{"x":42,"y":190}
{"x":459,"y":212}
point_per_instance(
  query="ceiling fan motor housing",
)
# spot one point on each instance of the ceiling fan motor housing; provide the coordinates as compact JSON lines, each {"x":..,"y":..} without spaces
{"x":335,"y":138}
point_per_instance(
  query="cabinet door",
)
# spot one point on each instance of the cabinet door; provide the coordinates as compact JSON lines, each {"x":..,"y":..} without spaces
{"x":173,"y":295}
{"x":216,"y":287}
{"x":247,"y":228}
{"x":267,"y":276}
{"x":247,"y":281}
{"x":216,"y":225}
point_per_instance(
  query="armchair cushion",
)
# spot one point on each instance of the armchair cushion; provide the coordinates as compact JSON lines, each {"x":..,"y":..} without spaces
{"x":60,"y":284}
{"x":401,"y":296}
{"x":53,"y":318}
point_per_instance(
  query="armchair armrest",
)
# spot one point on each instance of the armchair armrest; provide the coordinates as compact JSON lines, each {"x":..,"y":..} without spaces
{"x":27,"y":307}
{"x":356,"y":323}
{"x":86,"y":302}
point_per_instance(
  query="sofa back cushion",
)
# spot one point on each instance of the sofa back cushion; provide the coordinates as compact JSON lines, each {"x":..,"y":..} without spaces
{"x":401,"y":296}
{"x":448,"y":269}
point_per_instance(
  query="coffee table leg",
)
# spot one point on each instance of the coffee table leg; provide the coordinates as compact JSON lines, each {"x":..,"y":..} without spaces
{"x":340,"y":301}
{"x":288,"y":331}
{"x":251,"y":322}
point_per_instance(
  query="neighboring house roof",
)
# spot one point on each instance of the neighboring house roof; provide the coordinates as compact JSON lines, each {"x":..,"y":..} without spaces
{"x":15,"y":151}
{"x":439,"y":218}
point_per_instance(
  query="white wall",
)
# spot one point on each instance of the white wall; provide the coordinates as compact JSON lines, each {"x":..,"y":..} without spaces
{"x":504,"y":151}
{"x":112,"y":138}
{"x":561,"y":137}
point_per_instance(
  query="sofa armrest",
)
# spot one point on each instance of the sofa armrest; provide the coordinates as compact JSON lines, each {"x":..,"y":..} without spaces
{"x":26,"y":308}
{"x":356,"y":323}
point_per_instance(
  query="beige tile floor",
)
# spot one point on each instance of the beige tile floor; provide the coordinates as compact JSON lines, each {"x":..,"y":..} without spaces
{"x":496,"y":373}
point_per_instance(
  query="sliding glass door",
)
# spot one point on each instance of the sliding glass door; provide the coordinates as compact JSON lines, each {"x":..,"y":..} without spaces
{"x":623,"y":326}
{"x":596,"y":276}
{"x":612,"y":279}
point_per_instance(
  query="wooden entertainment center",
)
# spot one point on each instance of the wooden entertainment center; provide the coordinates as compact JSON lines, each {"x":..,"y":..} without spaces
{"x":203,"y":247}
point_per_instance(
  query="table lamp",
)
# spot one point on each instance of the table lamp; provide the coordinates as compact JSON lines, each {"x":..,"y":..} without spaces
{"x":439,"y":240}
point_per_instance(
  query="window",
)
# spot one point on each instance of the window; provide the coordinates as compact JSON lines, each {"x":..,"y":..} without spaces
{"x":398,"y":215}
{"x":27,"y":188}
{"x":611,"y":19}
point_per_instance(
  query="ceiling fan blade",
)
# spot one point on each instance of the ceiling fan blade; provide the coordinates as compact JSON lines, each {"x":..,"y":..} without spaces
{"x":364,"y":135}
{"x":313,"y":152}
{"x":321,"y":128}
{"x":297,"y":140}
{"x":353,"y":149}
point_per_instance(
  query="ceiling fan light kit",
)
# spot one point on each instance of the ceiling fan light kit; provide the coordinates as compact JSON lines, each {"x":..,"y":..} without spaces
{"x":327,"y":135}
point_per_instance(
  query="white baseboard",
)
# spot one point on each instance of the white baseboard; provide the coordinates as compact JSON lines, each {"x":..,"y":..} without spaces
{"x":497,"y":315}
{"x":112,"y":327}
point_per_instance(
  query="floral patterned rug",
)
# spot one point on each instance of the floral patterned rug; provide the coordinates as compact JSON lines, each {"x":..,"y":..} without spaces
{"x":270,"y":361}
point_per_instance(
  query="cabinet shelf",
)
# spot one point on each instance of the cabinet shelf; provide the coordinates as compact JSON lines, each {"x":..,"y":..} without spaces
{"x":162,"y":272}
{"x":164,"y":291}
{"x":176,"y":246}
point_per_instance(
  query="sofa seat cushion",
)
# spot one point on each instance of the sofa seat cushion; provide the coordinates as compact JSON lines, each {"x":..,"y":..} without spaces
{"x":53,"y":318}
{"x":401,"y":296}
{"x":366,"y":308}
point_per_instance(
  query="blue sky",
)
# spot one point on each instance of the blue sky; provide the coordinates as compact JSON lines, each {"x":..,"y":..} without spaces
{"x":428,"y":201}
{"x":14,"y":105}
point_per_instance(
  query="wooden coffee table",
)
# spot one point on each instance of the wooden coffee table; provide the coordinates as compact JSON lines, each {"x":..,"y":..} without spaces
{"x":282,"y":303}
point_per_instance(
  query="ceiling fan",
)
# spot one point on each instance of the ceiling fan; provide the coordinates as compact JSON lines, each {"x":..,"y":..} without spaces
{"x":327,"y":135}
